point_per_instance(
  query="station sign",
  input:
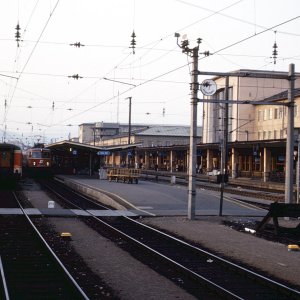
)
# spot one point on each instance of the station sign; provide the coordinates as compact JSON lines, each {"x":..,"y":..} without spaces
{"x":104,"y":153}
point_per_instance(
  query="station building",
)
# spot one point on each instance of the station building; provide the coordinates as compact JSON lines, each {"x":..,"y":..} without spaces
{"x":256,"y":133}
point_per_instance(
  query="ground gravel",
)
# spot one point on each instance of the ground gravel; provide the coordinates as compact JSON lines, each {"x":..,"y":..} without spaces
{"x":269,"y":257}
{"x":130,"y":279}
{"x":127,"y":277}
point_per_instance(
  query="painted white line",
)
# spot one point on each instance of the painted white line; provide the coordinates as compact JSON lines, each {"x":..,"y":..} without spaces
{"x":113,"y":194}
{"x":144,"y":207}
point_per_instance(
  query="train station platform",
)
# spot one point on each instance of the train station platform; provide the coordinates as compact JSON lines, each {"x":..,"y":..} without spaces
{"x":153,"y":199}
{"x":59,"y":212}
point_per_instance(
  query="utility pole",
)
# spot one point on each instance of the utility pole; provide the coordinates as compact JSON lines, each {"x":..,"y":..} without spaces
{"x":193,"y":136}
{"x":290,"y":137}
{"x":129,"y":131}
{"x":194,"y":53}
{"x":298,"y":171}
{"x":290,"y":76}
{"x":129,"y":121}
{"x":224,"y":149}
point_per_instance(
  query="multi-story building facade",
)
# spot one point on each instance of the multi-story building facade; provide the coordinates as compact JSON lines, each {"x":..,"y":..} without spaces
{"x":252,"y":124}
{"x":242,"y":118}
{"x":271,"y":121}
{"x":112,"y":134}
{"x":256,"y":131}
{"x":95,"y":133}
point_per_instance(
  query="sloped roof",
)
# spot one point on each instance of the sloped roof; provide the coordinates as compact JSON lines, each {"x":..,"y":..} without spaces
{"x":283,"y":95}
{"x":168,"y":131}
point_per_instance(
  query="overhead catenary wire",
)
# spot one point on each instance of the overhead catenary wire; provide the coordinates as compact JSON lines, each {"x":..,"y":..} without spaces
{"x":30,"y":56}
{"x":98,"y":81}
{"x":183,"y":66}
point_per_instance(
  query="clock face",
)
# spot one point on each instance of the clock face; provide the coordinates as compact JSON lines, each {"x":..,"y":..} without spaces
{"x":208,"y":87}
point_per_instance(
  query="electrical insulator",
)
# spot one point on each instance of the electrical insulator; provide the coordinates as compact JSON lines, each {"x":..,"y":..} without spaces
{"x":199,"y":40}
{"x":133,"y":42}
{"x":53,"y":105}
{"x":184,"y":44}
{"x":77,"y":44}
{"x":275,"y":53}
{"x":18,"y":35}
{"x":75,"y":76}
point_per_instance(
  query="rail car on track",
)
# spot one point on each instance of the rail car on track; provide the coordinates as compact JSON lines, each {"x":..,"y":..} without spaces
{"x":10,"y":165}
{"x":37,"y":162}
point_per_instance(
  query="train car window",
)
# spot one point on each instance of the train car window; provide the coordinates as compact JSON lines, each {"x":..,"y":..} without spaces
{"x":36,"y":155}
{"x":5,"y":160}
{"x":46,"y":154}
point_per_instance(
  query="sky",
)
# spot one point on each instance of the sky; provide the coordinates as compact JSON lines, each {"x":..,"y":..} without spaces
{"x":41,"y":101}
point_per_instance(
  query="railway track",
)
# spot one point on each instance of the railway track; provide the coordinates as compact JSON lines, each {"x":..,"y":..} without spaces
{"x":201,"y":273}
{"x":29,"y":268}
{"x":233,"y":189}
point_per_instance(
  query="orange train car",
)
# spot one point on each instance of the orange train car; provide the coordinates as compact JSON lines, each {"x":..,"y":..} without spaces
{"x":10,"y":165}
{"x":38,"y":162}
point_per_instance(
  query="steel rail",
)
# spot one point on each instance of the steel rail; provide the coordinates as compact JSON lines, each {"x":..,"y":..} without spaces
{"x":3,"y":280}
{"x":217,"y":257}
{"x":51,"y":251}
{"x":204,"y":280}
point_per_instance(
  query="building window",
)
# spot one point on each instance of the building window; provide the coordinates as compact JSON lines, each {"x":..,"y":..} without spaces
{"x":245,"y":163}
{"x":259,"y":116}
{"x":269,"y":135}
{"x":280,"y":115}
{"x":275,"y":134}
{"x":264,"y":135}
{"x":281,"y":133}
{"x":270,"y":114}
{"x":259,"y":135}
{"x":276,"y":113}
{"x":265,"y":114}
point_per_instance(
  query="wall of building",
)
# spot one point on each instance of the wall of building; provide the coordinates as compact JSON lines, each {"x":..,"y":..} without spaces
{"x":242,"y":117}
{"x":271,"y":121}
{"x":85,"y":133}
{"x":147,"y":141}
